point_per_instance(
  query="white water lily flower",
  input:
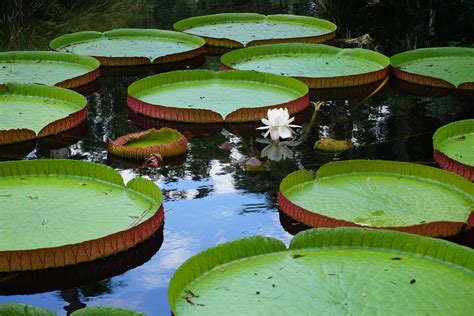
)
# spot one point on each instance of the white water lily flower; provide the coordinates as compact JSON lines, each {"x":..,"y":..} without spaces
{"x":278,"y":124}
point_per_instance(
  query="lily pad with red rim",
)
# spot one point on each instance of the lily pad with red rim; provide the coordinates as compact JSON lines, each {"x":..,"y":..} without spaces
{"x":49,"y":68}
{"x":443,"y":67}
{"x":29,"y":111}
{"x":327,"y":271}
{"x":44,"y":223}
{"x":380,"y":194}
{"x":317,"y":65}
{"x":129,"y":47}
{"x":203,"y":96}
{"x":453,"y":146}
{"x":167,"y":142}
{"x":248,"y":29}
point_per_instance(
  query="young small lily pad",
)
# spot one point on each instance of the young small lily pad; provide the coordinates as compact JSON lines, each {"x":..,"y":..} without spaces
{"x":166,"y":142}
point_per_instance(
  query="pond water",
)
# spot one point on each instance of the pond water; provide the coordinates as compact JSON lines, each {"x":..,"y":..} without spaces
{"x":208,"y":198}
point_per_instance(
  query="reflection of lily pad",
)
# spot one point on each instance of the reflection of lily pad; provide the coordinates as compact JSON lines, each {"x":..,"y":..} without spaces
{"x":380,"y":194}
{"x":105,"y":311}
{"x":248,"y":29}
{"x":17,"y":309}
{"x":327,"y":271}
{"x":126,"y":47}
{"x":454,"y":148}
{"x":49,"y":68}
{"x":44,"y":223}
{"x":30,"y":111}
{"x":167,"y":142}
{"x":444,"y":67}
{"x":317,"y":65}
{"x":203,"y":96}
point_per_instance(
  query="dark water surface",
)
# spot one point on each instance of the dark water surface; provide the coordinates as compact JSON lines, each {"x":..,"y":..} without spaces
{"x":208,"y":198}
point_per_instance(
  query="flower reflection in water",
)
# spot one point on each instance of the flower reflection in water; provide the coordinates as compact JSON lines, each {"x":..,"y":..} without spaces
{"x":277,"y":150}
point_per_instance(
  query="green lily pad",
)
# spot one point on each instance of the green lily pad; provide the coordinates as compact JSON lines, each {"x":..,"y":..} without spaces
{"x":28,"y":111}
{"x":167,"y":142}
{"x":327,"y":271}
{"x":381,"y":194}
{"x":456,"y":140}
{"x":449,"y":67}
{"x":49,"y":68}
{"x":454,"y":148}
{"x":106,"y":311}
{"x":17,"y":309}
{"x":247,"y":29}
{"x":319,"y":66}
{"x":44,"y":223}
{"x":125,"y":47}
{"x":204,"y":96}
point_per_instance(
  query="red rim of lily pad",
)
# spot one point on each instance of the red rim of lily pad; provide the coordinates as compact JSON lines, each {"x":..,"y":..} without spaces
{"x":62,"y":42}
{"x":186,"y":24}
{"x":67,"y":277}
{"x":301,"y":49}
{"x":455,"y":130}
{"x":60,"y":253}
{"x":238,"y":114}
{"x":442,"y":228}
{"x":92,"y":65}
{"x":48,"y":95}
{"x":167,"y":142}
{"x":433,"y":55}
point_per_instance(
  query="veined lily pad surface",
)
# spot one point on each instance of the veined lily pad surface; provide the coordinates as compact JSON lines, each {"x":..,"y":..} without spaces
{"x":28,"y":111}
{"x":128,"y":47}
{"x":167,"y":142}
{"x":454,"y":147}
{"x":248,"y":29}
{"x":49,"y":68}
{"x":327,"y":271}
{"x":445,"y":67}
{"x":44,"y":221}
{"x":105,"y":311}
{"x":203,"y":96}
{"x":17,"y":309}
{"x":380,"y":194}
{"x":317,"y":65}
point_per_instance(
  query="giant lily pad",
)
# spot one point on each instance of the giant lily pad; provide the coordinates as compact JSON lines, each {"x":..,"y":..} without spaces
{"x":454,"y":148}
{"x":49,"y":68}
{"x":248,"y":29}
{"x":105,"y":311}
{"x":47,"y":280}
{"x":317,"y":65}
{"x":203,"y":96}
{"x":44,"y":222}
{"x":380,"y":194}
{"x":444,"y":67}
{"x":327,"y":271}
{"x":17,"y":309}
{"x":128,"y":47}
{"x":167,"y":142}
{"x":28,"y":111}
